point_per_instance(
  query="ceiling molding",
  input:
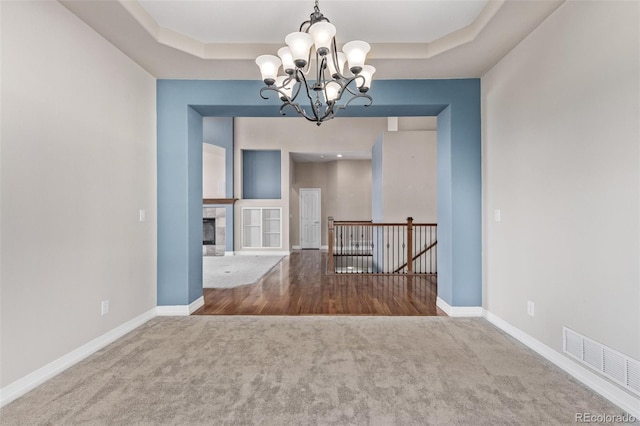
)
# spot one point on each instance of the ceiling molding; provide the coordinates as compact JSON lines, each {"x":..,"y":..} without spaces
{"x":467,"y":34}
{"x":245,"y":51}
{"x":498,"y":29}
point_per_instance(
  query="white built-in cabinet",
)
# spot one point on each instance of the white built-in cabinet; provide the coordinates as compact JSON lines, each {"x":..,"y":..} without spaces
{"x":261,"y":227}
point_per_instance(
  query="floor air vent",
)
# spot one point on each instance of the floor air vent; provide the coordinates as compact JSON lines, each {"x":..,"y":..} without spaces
{"x":614,"y":365}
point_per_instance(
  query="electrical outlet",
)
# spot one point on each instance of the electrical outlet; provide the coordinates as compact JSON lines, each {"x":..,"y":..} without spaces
{"x":104,"y":307}
{"x":530,"y":308}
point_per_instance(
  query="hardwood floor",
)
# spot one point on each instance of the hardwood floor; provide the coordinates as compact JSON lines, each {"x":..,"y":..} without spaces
{"x":299,"y":285}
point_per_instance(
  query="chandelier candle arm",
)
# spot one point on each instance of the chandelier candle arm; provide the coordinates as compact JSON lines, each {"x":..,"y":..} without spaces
{"x":325,"y":93}
{"x":285,"y":85}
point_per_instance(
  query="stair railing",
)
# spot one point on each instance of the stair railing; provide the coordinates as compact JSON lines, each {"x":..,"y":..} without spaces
{"x":364,"y":247}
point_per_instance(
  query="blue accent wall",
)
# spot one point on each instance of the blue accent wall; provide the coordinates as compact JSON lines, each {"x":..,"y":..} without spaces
{"x":194,"y":196}
{"x":182,"y":103}
{"x":261,"y":175}
{"x":445,"y":242}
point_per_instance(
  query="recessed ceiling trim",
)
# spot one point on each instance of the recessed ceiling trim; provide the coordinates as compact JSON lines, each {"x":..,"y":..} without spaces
{"x":467,"y":34}
{"x":245,"y":51}
{"x":144,"y":19}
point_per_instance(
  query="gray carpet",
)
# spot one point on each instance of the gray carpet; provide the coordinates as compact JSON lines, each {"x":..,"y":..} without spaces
{"x":234,"y":271}
{"x":310,"y":370}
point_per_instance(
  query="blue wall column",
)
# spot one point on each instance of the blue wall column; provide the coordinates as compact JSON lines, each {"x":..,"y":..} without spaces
{"x":183,"y":103}
{"x":194,"y":203}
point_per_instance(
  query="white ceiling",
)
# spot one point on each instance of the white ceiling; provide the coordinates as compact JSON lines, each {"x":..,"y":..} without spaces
{"x":244,"y":21}
{"x":220,"y":40}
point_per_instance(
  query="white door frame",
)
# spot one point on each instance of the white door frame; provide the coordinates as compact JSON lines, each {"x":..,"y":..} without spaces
{"x":319,"y":215}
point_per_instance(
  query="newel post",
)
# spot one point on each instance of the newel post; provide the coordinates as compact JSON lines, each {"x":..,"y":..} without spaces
{"x":410,"y":245}
{"x":331,"y":266}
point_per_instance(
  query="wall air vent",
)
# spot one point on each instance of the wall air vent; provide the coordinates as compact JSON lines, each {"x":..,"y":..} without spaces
{"x":608,"y":362}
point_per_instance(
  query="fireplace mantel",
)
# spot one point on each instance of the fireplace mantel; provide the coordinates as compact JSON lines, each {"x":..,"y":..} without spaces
{"x":219,"y":200}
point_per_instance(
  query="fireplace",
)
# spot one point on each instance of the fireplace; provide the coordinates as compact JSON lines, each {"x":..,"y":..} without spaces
{"x":208,"y":231}
{"x":213,"y":230}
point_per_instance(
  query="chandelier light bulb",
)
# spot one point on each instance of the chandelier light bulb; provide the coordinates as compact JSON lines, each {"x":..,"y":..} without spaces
{"x":269,"y":66}
{"x":367,"y":72}
{"x":335,"y":72}
{"x":287,"y":59}
{"x":299,"y":43}
{"x":356,"y":52}
{"x":322,"y":33}
{"x":332,"y":90}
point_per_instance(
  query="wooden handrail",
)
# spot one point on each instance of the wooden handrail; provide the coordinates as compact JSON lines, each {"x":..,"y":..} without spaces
{"x":370,"y":223}
{"x":417,"y":256}
{"x":219,"y":200}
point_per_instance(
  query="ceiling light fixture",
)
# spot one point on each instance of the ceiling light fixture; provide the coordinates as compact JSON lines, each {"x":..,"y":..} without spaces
{"x":330,"y":85}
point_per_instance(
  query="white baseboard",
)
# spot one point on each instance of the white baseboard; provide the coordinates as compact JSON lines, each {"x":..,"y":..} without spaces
{"x":459,"y":311}
{"x":180,"y":310}
{"x":613,"y":393}
{"x":196,"y":304}
{"x":41,"y":375}
{"x":173,"y":311}
{"x":296,"y":248}
{"x":229,"y":253}
{"x":324,"y":248}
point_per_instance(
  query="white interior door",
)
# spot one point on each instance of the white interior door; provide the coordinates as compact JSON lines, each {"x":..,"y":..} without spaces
{"x":310,"y":218}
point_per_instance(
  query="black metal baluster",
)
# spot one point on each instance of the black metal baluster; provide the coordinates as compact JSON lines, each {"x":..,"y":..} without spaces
{"x":387,"y":254}
{"x":436,"y":253}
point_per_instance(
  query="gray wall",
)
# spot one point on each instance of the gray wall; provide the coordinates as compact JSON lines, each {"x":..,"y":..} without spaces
{"x":409,"y":167}
{"x":376,"y":181}
{"x":561,"y":161}
{"x":78,"y":163}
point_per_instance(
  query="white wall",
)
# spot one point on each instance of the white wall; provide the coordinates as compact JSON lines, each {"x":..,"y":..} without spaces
{"x":213,"y":171}
{"x":78,"y":162}
{"x":561,"y":161}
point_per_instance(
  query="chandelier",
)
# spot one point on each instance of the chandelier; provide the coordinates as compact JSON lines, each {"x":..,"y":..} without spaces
{"x":331,"y":91}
